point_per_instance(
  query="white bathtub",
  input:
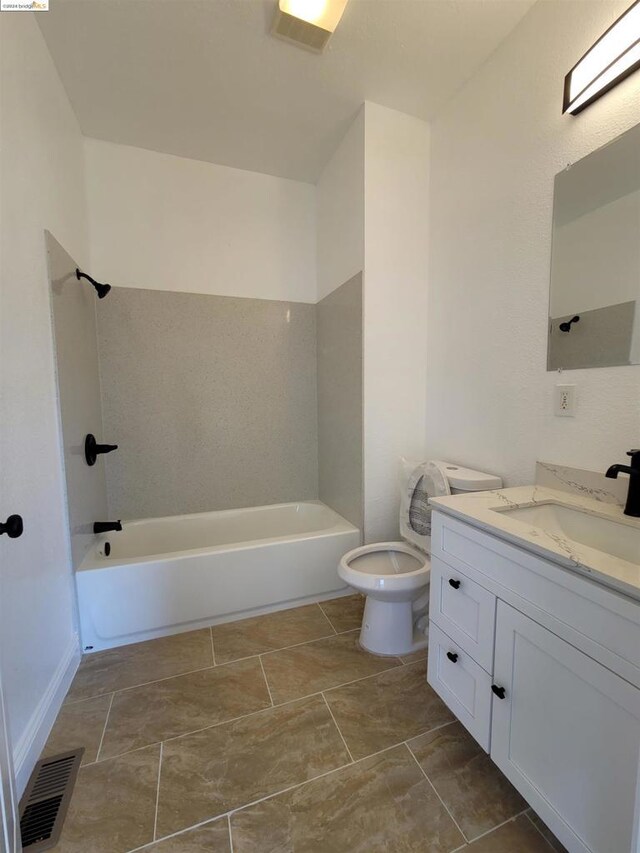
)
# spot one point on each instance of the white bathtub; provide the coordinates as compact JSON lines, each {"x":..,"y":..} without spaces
{"x":166,"y":575}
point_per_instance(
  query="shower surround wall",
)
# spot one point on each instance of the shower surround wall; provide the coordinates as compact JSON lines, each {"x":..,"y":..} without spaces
{"x":73,"y":308}
{"x":339,"y":320}
{"x":212,"y":400}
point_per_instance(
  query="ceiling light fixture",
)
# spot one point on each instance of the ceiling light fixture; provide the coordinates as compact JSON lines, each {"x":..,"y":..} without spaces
{"x":307,"y":23}
{"x":613,"y":57}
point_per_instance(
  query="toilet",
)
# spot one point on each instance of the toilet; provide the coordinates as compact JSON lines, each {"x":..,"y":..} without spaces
{"x":394,"y":576}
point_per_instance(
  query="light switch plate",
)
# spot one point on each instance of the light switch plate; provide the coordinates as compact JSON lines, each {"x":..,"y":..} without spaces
{"x":564,"y":401}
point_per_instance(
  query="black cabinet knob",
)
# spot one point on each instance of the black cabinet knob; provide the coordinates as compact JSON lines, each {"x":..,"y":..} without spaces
{"x":13,"y":527}
{"x":499,"y":691}
{"x":454,"y":583}
{"x":453,"y":657}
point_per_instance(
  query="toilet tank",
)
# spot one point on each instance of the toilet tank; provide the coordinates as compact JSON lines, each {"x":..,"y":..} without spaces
{"x":415,"y":513}
{"x":463,"y":480}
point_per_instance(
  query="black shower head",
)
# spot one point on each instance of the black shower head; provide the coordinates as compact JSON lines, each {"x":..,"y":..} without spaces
{"x":101,"y":289}
{"x":566,"y":327}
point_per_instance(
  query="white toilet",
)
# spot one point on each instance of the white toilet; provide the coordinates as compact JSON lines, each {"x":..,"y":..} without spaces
{"x":394,"y":576}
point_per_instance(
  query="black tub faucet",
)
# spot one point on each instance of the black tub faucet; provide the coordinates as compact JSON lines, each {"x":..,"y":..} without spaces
{"x":633,"y":495}
{"x":106,"y":526}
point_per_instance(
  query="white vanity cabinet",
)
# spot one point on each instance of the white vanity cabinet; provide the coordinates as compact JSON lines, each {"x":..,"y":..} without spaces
{"x":543,"y":668}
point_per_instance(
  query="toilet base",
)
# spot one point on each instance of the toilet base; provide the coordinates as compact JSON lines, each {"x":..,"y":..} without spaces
{"x":388,"y":628}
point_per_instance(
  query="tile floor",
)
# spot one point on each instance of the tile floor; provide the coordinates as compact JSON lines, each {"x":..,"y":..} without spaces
{"x":277,"y":734}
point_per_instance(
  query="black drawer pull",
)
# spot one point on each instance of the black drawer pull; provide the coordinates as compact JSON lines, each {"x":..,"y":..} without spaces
{"x":499,"y":691}
{"x":453,"y":657}
{"x":13,"y":527}
{"x":455,"y":584}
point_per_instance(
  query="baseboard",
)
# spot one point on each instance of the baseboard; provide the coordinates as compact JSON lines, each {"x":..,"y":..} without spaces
{"x":34,"y":737}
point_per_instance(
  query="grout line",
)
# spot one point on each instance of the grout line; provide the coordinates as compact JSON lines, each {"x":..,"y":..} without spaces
{"x":446,"y":808}
{"x":265,"y":798}
{"x":230,"y":833}
{"x":338,"y":728}
{"x":283,"y":649}
{"x":308,"y":781}
{"x":216,"y":665}
{"x":297,"y":645}
{"x":155,"y":822}
{"x":411,"y":662}
{"x":335,"y":631}
{"x":104,"y":730}
{"x":179,"y":832}
{"x":293,"y":787}
{"x":499,"y":825}
{"x":528,"y":813}
{"x":266,"y":681}
{"x":261,"y":710}
{"x":142,"y":684}
{"x":428,"y":732}
{"x":213,"y":650}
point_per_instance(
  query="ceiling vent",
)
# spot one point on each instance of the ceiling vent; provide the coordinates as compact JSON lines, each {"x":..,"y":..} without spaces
{"x":307,"y":23}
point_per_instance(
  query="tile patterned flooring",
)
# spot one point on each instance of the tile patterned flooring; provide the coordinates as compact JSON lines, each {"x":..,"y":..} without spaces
{"x":278,"y":734}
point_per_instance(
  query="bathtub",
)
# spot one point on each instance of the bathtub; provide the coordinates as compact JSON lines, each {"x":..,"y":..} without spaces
{"x":167,"y":575}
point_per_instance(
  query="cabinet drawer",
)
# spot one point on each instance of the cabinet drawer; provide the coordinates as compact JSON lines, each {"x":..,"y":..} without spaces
{"x":601,"y":622}
{"x":461,"y":684}
{"x":464,"y":610}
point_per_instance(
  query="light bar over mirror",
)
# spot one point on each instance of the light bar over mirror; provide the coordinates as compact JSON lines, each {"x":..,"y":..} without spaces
{"x":613,"y":57}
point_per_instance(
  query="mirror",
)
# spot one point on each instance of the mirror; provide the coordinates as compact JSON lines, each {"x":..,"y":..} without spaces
{"x":594,"y":310}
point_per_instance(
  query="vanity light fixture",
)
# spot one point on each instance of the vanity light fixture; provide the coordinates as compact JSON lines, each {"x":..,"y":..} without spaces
{"x":613,"y":57}
{"x":307,"y":23}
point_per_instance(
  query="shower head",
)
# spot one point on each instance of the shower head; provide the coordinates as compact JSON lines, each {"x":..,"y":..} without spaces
{"x":101,"y":289}
{"x":566,"y":327}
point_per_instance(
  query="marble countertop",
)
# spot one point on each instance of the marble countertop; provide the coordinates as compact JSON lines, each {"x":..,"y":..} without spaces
{"x":483,"y":510}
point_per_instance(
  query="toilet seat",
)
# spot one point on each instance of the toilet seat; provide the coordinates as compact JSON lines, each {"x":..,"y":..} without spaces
{"x":394,"y":576}
{"x":385,"y":572}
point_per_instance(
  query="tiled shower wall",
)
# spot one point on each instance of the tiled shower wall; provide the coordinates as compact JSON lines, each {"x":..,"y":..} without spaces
{"x":340,"y":400}
{"x":211,"y":399}
{"x":73,"y":309}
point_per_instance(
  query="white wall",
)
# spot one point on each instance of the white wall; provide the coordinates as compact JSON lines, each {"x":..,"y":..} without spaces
{"x":373,"y":198}
{"x":340,"y":212}
{"x":42,"y":187}
{"x":395,"y":307}
{"x":495,"y":151}
{"x":167,"y":223}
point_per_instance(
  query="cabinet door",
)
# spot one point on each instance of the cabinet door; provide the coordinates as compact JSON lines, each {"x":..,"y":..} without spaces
{"x":567,"y":735}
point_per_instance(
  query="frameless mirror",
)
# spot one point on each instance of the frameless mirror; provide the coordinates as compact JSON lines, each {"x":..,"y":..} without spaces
{"x":594,"y":315}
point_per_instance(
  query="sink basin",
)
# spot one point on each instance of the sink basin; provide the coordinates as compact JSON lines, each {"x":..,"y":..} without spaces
{"x":602,"y":534}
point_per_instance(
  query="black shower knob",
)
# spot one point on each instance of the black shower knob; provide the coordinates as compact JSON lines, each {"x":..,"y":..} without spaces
{"x":92,"y":449}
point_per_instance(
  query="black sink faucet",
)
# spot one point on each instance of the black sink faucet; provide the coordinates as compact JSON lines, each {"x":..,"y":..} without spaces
{"x":633,"y":495}
{"x":106,"y":526}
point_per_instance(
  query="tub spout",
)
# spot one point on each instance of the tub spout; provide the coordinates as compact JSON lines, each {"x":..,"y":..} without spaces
{"x":106,"y":526}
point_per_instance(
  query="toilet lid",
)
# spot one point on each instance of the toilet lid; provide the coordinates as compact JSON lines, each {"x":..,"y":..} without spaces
{"x":425,"y":481}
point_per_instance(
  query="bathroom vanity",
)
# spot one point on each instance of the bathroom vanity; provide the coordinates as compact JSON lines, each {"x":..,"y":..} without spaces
{"x":534,"y":644}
